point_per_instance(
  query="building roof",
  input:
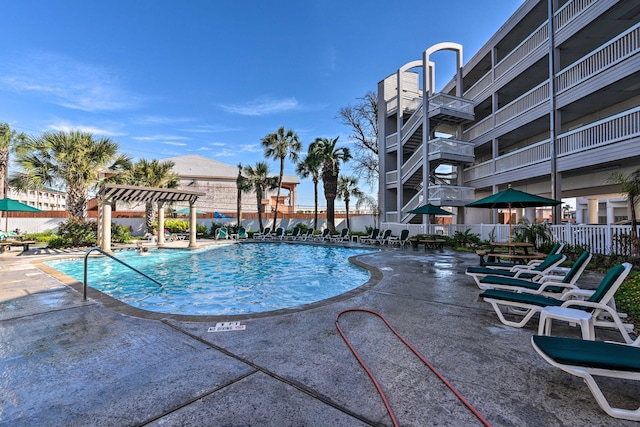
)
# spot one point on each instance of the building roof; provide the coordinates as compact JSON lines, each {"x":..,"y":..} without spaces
{"x":196,"y":166}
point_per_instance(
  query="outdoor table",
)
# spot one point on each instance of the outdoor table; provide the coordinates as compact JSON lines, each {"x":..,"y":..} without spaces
{"x":429,"y":242}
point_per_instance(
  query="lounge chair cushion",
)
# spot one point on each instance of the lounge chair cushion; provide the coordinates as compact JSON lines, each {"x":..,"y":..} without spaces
{"x":523,"y":297}
{"x":520,"y":283}
{"x":591,"y":354}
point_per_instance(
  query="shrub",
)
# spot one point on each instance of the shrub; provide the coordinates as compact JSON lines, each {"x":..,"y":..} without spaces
{"x":76,"y":232}
{"x":466,"y":239}
{"x":628,"y":297}
{"x":120,"y":233}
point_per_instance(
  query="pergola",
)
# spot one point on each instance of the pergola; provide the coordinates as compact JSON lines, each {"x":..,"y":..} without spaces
{"x":110,"y":193}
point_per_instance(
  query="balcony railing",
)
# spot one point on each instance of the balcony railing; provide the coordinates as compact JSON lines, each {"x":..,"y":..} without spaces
{"x":450,"y":195}
{"x":616,"y":50}
{"x":569,"y":11}
{"x":479,"y":86}
{"x":619,"y":127}
{"x":391,"y":142}
{"x":412,"y":161}
{"x":442,"y":100}
{"x":479,"y":129}
{"x":612,"y":129}
{"x":449,"y":146}
{"x":525,"y":102}
{"x":535,"y":40}
{"x":392,"y":177}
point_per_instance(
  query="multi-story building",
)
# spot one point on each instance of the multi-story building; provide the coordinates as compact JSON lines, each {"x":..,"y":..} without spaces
{"x":46,"y":199}
{"x":549,"y":105}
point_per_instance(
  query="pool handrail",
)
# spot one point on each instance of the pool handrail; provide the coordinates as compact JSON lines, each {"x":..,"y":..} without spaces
{"x":86,"y":257}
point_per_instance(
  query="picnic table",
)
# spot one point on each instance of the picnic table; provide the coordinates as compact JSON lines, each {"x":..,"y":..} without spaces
{"x":517,"y":252}
{"x":24,"y":243}
{"x":429,"y":242}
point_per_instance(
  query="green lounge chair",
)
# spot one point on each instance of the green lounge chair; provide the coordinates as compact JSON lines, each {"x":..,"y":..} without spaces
{"x":242,"y":233}
{"x":222,"y":233}
{"x":401,"y":240}
{"x":263,"y":235}
{"x":549,"y":285}
{"x":371,"y":238}
{"x":587,"y":359}
{"x":596,"y":302}
{"x":342,"y":237}
{"x":542,"y":269}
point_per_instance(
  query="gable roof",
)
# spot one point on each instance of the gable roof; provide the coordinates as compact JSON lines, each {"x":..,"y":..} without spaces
{"x":194,"y":166}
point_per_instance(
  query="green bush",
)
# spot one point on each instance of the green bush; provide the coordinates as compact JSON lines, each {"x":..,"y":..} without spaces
{"x":628,"y":297}
{"x":120,"y":233}
{"x":76,"y":232}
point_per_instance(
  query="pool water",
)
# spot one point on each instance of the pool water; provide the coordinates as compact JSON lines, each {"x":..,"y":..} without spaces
{"x":223,"y":280}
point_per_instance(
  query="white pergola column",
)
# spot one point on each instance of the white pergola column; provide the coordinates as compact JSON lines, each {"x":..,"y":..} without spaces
{"x":192,"y":225}
{"x":106,"y":226}
{"x":592,"y":211}
{"x":160,"y":223}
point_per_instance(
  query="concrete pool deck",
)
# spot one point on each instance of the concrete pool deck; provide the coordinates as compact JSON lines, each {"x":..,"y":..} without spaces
{"x":69,"y":362}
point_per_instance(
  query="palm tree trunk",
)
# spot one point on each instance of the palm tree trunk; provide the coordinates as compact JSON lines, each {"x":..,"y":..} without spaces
{"x":148,"y":216}
{"x":259,"y":199}
{"x":4,"y":168}
{"x":275,"y":215}
{"x":239,"y":208}
{"x":346,"y":207}
{"x":634,"y":228}
{"x":315,"y":201}
{"x":77,"y":201}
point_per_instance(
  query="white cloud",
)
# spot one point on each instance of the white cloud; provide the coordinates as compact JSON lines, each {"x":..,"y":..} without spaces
{"x":262,"y":106}
{"x":67,"y":82}
{"x":160,"y":138}
{"x":68,"y":127}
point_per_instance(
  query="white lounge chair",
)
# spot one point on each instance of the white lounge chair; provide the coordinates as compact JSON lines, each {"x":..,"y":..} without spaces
{"x":399,"y":240}
{"x":548,"y":284}
{"x":262,"y":234}
{"x":598,"y":302}
{"x":534,"y":273}
{"x":342,"y":237}
{"x":587,"y":359}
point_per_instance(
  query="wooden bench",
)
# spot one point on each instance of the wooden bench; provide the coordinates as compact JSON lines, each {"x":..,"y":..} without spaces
{"x":24,"y":243}
{"x":523,"y":258}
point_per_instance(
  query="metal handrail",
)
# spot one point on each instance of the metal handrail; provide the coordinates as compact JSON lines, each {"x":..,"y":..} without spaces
{"x":86,"y":257}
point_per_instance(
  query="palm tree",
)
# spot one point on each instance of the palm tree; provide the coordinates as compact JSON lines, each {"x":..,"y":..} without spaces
{"x":243,"y":185}
{"x":311,"y":165}
{"x":260,"y":181}
{"x":8,"y":138}
{"x":331,"y":157}
{"x":630,"y":187}
{"x":278,"y":145}
{"x":153,"y":173}
{"x":348,"y":187}
{"x":74,"y":158}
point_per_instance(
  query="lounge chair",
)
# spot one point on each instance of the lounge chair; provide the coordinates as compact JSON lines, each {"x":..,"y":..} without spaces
{"x":555,"y":249}
{"x":222,"y":233}
{"x":306,"y":236}
{"x":262,"y":234}
{"x":599,"y":302}
{"x":279,"y":234}
{"x":295,"y":234}
{"x":322,"y":237}
{"x":242,"y":233}
{"x":382,"y":238}
{"x":549,"y":285}
{"x":587,"y":359}
{"x":399,"y":240}
{"x":371,"y":238}
{"x":545,"y":268}
{"x":342,"y":237}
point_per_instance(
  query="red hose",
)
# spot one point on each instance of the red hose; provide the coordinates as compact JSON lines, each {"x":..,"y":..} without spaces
{"x":425,"y":361}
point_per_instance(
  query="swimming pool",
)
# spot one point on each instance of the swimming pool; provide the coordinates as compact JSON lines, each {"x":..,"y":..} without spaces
{"x":224,"y":280}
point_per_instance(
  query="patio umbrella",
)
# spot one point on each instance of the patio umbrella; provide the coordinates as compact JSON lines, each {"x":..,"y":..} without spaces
{"x":185,"y":211}
{"x":10,"y":205}
{"x":509,"y":199}
{"x":429,"y":209}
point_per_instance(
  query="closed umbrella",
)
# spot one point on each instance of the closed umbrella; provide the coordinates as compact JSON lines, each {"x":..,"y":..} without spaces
{"x":10,"y":205}
{"x":509,"y":199}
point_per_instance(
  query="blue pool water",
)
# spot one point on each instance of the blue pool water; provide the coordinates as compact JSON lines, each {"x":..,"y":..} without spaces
{"x":224,"y":280}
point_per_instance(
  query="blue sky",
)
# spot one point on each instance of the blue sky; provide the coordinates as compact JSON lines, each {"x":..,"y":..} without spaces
{"x":167,"y":78}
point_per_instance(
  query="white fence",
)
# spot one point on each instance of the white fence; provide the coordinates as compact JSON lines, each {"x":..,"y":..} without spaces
{"x":602,"y":239}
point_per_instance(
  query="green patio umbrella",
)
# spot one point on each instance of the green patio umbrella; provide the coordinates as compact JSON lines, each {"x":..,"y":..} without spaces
{"x":10,"y":205}
{"x":185,"y":211}
{"x":429,"y":209}
{"x":509,"y":199}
